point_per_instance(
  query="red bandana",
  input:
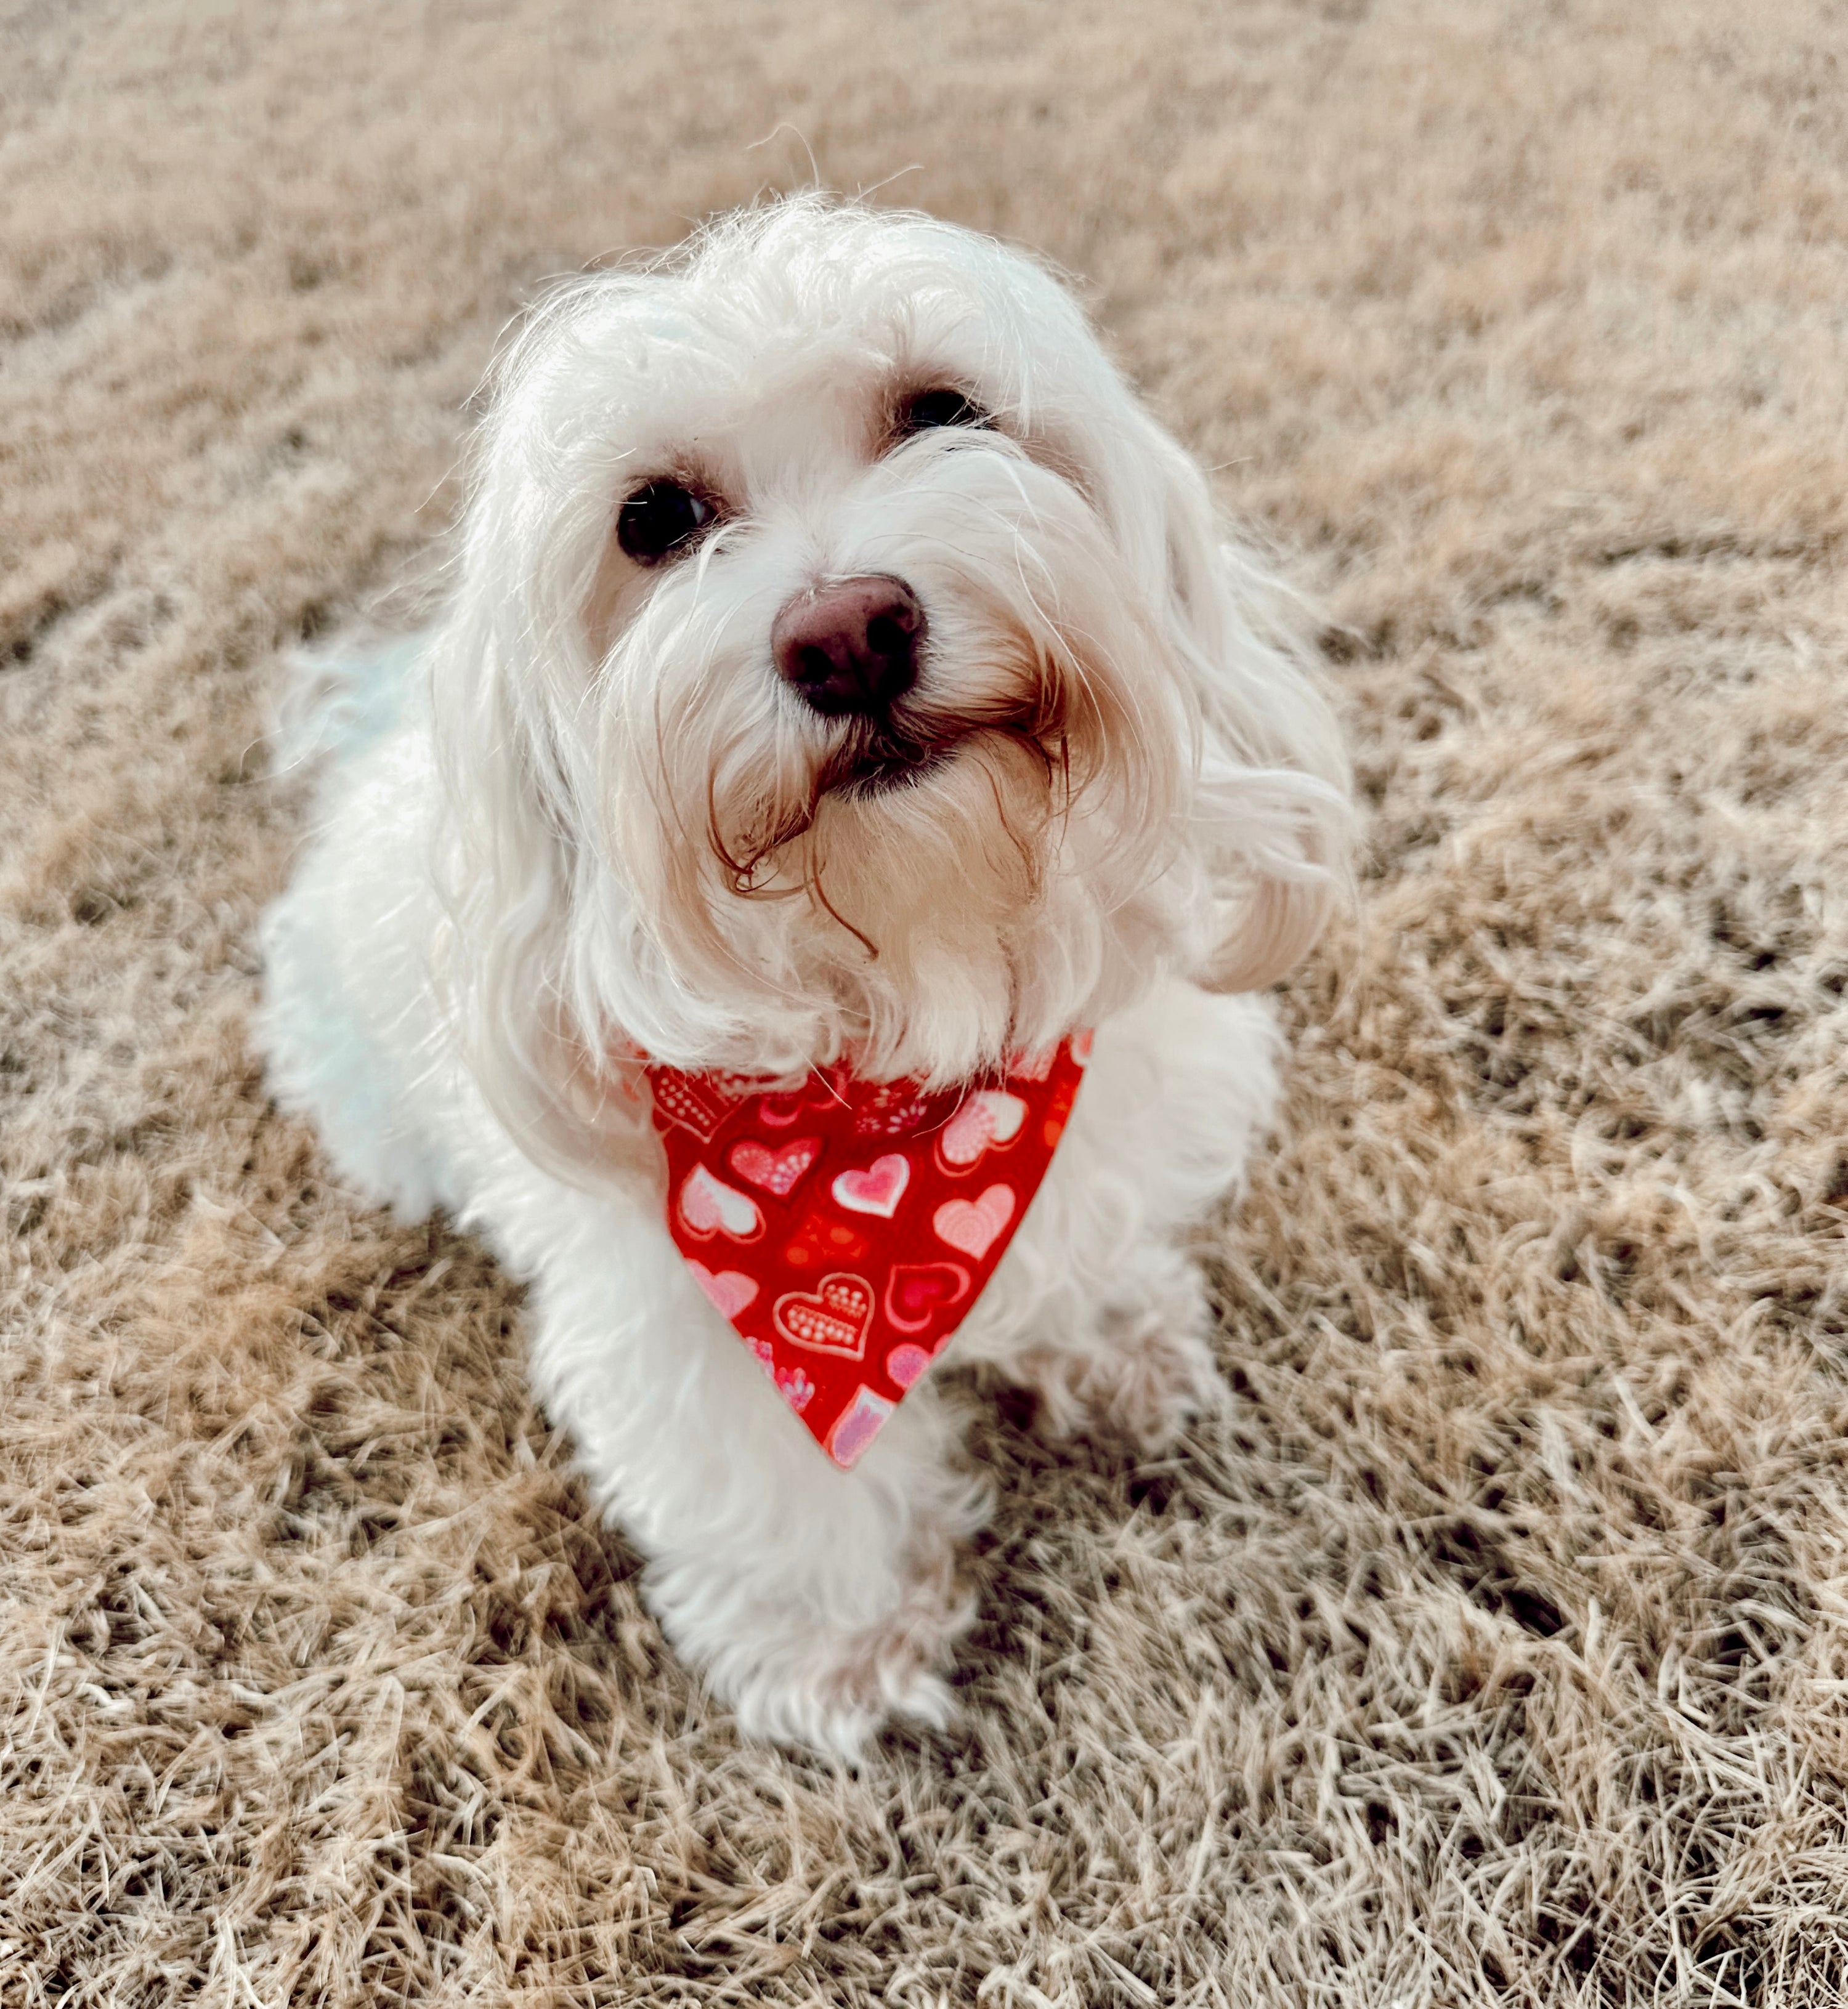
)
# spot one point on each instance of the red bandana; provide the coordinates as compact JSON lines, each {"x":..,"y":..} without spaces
{"x":846,"y":1229}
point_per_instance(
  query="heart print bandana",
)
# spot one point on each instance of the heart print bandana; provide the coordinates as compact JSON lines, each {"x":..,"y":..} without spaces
{"x":847,"y":1227}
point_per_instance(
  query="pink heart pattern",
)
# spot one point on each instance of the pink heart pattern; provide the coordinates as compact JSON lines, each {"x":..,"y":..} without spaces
{"x":915,"y":1292}
{"x":730,"y":1290}
{"x":904,"y":1364}
{"x":973,"y":1225}
{"x":778,"y":1170}
{"x":833,"y":1319}
{"x":989,"y":1119}
{"x":698,"y":1103}
{"x":708,"y":1207}
{"x":859,"y":1423}
{"x":844,"y":1227}
{"x":877,"y":1187}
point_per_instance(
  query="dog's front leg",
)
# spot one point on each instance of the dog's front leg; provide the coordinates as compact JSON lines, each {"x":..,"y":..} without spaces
{"x":1098,"y":1308}
{"x":817,"y":1602}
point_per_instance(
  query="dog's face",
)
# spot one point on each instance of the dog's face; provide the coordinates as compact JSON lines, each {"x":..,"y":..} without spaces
{"x":852,"y":659}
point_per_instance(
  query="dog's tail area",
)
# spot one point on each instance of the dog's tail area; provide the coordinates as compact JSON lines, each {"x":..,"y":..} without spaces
{"x":345,"y":984}
{"x":331,"y":703}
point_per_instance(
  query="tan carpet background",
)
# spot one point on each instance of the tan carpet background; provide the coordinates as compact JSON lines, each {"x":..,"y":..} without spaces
{"x":1498,"y":1649}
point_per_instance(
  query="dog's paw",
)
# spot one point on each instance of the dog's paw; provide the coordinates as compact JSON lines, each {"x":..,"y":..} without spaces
{"x":834,"y":1688}
{"x":1144,"y":1369}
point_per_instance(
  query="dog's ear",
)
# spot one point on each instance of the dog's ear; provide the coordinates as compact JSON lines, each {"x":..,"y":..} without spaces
{"x":513,"y":965}
{"x":1272,"y":813}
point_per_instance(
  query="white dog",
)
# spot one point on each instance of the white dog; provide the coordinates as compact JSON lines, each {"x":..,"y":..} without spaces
{"x":844,"y":679}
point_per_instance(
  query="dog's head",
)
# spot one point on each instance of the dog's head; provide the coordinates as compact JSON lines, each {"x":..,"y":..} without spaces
{"x":843,"y":661}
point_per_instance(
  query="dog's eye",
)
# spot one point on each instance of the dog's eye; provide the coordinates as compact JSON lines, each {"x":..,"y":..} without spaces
{"x":930,"y":409}
{"x":660,"y":519}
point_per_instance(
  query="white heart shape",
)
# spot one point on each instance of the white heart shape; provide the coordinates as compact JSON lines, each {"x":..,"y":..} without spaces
{"x":709,"y":1206}
{"x":877,"y":1187}
{"x":988,"y":1118}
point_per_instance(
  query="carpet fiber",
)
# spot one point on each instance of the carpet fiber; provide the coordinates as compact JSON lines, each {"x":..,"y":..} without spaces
{"x":1495,"y":1647}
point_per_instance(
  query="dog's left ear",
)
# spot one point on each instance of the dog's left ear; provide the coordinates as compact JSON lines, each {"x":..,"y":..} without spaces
{"x":1272,"y":815}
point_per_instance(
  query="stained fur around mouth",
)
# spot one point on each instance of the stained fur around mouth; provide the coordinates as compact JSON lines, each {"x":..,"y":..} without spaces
{"x":870,"y":763}
{"x":876,"y":758}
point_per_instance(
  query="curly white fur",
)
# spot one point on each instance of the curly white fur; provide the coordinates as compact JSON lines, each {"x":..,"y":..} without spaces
{"x":599,"y":821}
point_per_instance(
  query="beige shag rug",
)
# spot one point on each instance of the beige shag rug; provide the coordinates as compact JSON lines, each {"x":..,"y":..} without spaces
{"x":1496,"y":1649}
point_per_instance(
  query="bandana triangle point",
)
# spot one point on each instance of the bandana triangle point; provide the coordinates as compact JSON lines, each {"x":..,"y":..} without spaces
{"x":865,"y":1223}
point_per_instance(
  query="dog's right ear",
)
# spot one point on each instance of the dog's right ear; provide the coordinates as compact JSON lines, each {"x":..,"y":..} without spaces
{"x":1273,"y":802}
{"x":508,"y":667}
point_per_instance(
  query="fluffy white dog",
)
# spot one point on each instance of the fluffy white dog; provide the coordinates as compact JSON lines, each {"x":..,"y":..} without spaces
{"x":842,"y":669}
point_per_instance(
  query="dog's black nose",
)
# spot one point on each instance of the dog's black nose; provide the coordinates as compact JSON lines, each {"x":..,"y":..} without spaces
{"x":851,"y":646}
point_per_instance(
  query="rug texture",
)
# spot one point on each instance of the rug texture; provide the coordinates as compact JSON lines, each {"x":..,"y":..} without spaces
{"x":1493,"y":1646}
